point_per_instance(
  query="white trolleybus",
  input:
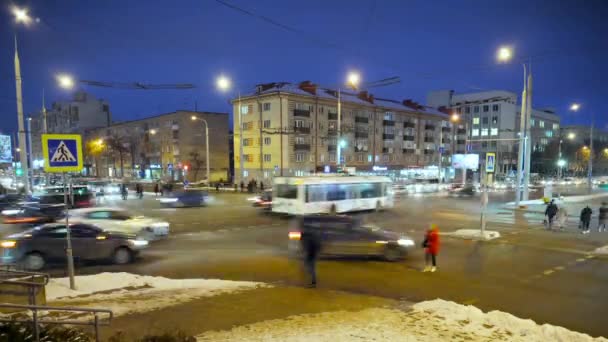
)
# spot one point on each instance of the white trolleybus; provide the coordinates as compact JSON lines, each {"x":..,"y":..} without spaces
{"x":330,"y":194}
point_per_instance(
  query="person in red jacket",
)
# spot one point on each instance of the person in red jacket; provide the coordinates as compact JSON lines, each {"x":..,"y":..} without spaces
{"x":431,"y":245}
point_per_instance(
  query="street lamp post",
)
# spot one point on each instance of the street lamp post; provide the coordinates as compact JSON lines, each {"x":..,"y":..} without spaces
{"x":223,"y":83}
{"x":194,"y":118}
{"x":353,"y":80}
{"x":575,"y":108}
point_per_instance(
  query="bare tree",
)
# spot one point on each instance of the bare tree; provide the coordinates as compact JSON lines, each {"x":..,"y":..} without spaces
{"x":197,"y":162}
{"x":118,"y":145}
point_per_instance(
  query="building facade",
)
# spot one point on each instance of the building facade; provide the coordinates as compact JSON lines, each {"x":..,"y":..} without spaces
{"x":493,"y":119}
{"x":166,"y":146}
{"x":292,"y":130}
{"x":81,"y":113}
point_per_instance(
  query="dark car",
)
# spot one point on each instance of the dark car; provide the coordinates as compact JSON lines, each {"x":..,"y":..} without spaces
{"x":264,"y":201}
{"x":462,"y":190}
{"x":34,"y":248}
{"x":33,"y":214}
{"x":83,"y":198}
{"x":185,"y":198}
{"x":347,"y":236}
{"x":10,"y":201}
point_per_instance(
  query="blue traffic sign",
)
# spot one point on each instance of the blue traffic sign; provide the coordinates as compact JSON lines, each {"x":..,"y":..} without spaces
{"x":62,"y":152}
{"x":441,"y":149}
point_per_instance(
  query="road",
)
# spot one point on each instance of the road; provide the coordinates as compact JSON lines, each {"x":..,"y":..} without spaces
{"x":529,"y":272}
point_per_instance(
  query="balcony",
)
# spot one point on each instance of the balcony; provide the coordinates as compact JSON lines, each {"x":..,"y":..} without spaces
{"x":409,"y":125}
{"x":362,"y":135}
{"x":362,"y":149}
{"x":388,"y":136}
{"x":429,"y":151}
{"x":461,"y":142}
{"x":303,"y":130}
{"x":388,"y":123}
{"x":429,"y":127}
{"x":409,"y":138}
{"x":301,"y":147}
{"x":332,"y":116}
{"x":387,"y":150}
{"x":461,"y":131}
{"x":301,"y":113}
{"x":409,"y":151}
{"x":361,"y":119}
{"x":331,"y":148}
{"x":429,"y":139}
{"x":446,"y":129}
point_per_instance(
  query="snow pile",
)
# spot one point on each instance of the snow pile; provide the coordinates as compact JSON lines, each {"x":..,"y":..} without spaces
{"x":436,"y":320}
{"x":601,"y":250}
{"x":127,"y":293}
{"x":474,"y":234}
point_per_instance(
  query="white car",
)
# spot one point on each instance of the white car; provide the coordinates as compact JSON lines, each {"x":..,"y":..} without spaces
{"x":119,"y":220}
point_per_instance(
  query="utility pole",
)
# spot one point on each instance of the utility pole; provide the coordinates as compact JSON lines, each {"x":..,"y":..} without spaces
{"x":338,"y":145}
{"x":522,"y":140}
{"x":528,"y":151}
{"x":590,"y":166}
{"x":22,"y":142}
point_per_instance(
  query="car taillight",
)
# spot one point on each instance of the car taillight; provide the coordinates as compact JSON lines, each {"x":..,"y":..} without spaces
{"x":21,"y":220}
{"x":295,"y":235}
{"x":8,"y":244}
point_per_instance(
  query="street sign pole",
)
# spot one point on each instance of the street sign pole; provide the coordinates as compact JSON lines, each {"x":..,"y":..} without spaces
{"x":68,"y":250}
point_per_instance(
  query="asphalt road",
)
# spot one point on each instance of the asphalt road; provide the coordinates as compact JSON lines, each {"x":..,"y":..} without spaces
{"x":529,"y":272}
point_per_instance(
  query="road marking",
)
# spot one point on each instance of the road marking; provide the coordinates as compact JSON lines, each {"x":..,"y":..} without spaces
{"x":548,"y":272}
{"x":470,"y":301}
{"x":580,"y":259}
{"x":559,"y":268}
{"x":590,"y":256}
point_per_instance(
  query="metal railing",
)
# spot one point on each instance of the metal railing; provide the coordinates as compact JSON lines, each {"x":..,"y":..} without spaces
{"x":96,"y":322}
{"x":32,"y":284}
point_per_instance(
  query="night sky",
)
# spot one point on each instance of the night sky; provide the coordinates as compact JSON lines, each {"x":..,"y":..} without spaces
{"x":431,"y":45}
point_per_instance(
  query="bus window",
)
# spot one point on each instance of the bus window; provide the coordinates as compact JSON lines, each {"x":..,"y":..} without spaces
{"x":288,"y":191}
{"x":335,"y":193}
{"x":315,"y":193}
{"x":371,"y":190}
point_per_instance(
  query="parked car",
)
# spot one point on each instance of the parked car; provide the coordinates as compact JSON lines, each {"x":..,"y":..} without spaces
{"x":34,"y":248}
{"x":185,"y":198}
{"x":119,"y":220}
{"x":348,"y":236}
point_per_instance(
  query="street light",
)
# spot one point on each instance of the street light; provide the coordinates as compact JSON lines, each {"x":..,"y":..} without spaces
{"x":223,"y":83}
{"x":194,"y":118}
{"x":21,"y":15}
{"x":571,"y":136}
{"x":575,"y":107}
{"x":153,"y":131}
{"x":352,"y":80}
{"x":65,"y":81}
{"x":504,"y":54}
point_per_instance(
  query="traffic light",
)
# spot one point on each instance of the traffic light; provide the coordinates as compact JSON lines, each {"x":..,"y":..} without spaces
{"x":19,"y":172}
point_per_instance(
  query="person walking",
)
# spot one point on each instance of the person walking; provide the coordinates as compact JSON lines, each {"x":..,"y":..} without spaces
{"x":431,"y":245}
{"x":562,"y":218}
{"x":550,"y":213}
{"x":156,"y":189}
{"x":603,"y":219}
{"x":311,"y":247}
{"x":261,"y":186}
{"x":242,"y":186}
{"x":586,"y":219}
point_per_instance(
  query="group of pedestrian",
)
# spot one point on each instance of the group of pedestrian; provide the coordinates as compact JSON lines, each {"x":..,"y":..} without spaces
{"x":252,"y":186}
{"x":139,"y":190}
{"x":556,"y":216}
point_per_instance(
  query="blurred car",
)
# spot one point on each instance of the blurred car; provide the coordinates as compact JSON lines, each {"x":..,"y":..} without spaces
{"x":461,"y":190}
{"x":34,"y":248}
{"x":83,"y":198}
{"x":33,"y":214}
{"x":348,"y":236}
{"x":263,"y":201}
{"x":10,"y":201}
{"x":185,"y":198}
{"x":119,"y":220}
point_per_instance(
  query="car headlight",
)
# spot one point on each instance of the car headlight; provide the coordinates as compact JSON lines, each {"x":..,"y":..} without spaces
{"x":138,"y":243}
{"x":168,"y":200}
{"x":160,"y":225}
{"x":405,"y":242}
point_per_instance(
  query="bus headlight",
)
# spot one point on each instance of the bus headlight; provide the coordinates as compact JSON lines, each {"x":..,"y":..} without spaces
{"x":405,"y":242}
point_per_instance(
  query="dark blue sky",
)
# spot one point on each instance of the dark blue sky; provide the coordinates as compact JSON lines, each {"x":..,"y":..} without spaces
{"x":429,"y":44}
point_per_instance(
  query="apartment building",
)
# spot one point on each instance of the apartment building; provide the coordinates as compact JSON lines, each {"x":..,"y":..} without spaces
{"x":493,"y":119}
{"x":292,"y":130}
{"x":165,"y":146}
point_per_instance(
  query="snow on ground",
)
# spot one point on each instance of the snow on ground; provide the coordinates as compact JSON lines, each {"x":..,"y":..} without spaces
{"x":473,"y":234}
{"x":601,"y":250}
{"x":436,"y":320}
{"x":127,"y":293}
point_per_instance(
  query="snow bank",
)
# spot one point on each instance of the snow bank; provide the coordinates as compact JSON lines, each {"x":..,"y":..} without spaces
{"x":435,"y":320}
{"x":127,"y":293}
{"x":474,"y":234}
{"x":601,"y":250}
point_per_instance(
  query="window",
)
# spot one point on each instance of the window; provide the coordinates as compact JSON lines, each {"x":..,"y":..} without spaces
{"x":267,"y":141}
{"x":175,"y":134}
{"x":332,"y":157}
{"x":484,"y":132}
{"x":267,"y":157}
{"x":286,"y":191}
{"x":467,"y":110}
{"x":484,"y":144}
{"x":541,"y":124}
{"x":495,"y":108}
{"x":493,"y":144}
{"x":266,"y":123}
{"x":105,"y":108}
{"x":475,"y":132}
{"x":360,"y":158}
{"x":322,"y":158}
{"x":549,"y":134}
{"x":304,"y":106}
{"x":494,"y":120}
{"x":248,"y":158}
{"x":388,"y":116}
{"x":475,"y":121}
{"x":369,"y":158}
{"x":247,"y":142}
{"x":484,"y":120}
{"x":247,"y":125}
{"x":556,"y":126}
{"x":532,"y":122}
{"x":486,"y":108}
{"x":299,"y":123}
{"x":494,"y":131}
{"x":385,"y":158}
{"x":476,"y":109}
{"x":99,"y":215}
{"x":83,"y":231}
{"x":266,"y":106}
{"x":245,"y":109}
{"x":300,"y":140}
{"x":299,"y":157}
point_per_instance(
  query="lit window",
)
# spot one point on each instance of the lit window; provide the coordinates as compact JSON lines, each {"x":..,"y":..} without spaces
{"x":541,"y":124}
{"x":475,"y":121}
{"x":369,"y":158}
{"x":244,"y":110}
{"x":299,"y":157}
{"x":475,"y":132}
{"x":484,"y":132}
{"x":549,"y":134}
{"x":532,"y":122}
{"x":556,"y":126}
{"x":494,"y":131}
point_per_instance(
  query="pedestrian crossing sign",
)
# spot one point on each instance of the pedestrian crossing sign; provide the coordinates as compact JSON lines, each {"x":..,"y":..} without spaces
{"x":62,"y":152}
{"x":490,"y":162}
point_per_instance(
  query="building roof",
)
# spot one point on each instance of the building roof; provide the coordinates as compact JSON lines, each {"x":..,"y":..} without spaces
{"x":161,"y":115}
{"x":347,"y":96}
